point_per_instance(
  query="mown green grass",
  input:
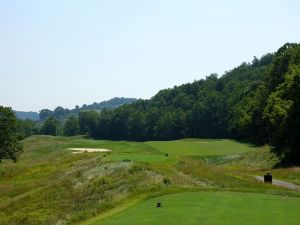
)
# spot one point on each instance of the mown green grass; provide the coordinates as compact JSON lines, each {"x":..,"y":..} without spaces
{"x":155,"y":151}
{"x":223,"y":208}
{"x":201,"y":147}
{"x":50,"y":185}
{"x":147,"y":158}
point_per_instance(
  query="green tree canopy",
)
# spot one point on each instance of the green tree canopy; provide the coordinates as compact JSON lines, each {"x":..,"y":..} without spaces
{"x":87,"y":121}
{"x":45,"y":114}
{"x":283,"y":114}
{"x":10,"y":146}
{"x":71,"y":126}
{"x":27,"y":128}
{"x":51,"y":127}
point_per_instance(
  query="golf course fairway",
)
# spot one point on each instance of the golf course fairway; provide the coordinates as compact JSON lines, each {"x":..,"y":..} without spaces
{"x":209,"y":208}
{"x":201,"y":147}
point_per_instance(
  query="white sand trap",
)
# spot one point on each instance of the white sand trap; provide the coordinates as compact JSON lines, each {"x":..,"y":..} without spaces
{"x":82,"y":150}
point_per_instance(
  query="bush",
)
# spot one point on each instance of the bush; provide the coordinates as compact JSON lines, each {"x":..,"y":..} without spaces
{"x":166,"y":181}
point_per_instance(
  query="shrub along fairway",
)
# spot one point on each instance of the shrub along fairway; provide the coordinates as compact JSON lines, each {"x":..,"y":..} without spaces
{"x":50,"y":185}
{"x":218,"y":208}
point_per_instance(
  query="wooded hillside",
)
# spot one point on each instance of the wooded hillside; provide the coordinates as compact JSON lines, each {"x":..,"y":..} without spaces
{"x":257,"y":100}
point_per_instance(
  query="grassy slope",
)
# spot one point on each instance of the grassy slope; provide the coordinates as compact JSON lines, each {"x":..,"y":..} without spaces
{"x":50,"y":185}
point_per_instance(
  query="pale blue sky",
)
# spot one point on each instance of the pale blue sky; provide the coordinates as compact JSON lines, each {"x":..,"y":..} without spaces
{"x":68,"y":52}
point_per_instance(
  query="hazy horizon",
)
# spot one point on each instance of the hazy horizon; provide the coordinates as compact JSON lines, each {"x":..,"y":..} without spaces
{"x":67,"y":53}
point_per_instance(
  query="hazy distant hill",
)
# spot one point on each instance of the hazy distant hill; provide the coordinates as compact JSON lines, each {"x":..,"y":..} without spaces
{"x":110,"y":104}
{"x":27,"y":115}
{"x":63,"y":112}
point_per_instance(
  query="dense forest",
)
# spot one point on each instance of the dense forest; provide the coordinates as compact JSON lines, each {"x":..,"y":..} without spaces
{"x":258,"y":101}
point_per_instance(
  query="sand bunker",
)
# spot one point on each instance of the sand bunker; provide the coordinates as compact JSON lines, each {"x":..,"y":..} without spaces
{"x":82,"y":150}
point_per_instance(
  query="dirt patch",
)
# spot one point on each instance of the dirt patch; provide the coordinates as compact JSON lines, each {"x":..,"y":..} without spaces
{"x":89,"y":150}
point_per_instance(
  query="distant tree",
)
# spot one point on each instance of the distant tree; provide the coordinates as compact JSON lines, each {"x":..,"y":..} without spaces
{"x":119,"y":123}
{"x":51,"y":127}
{"x":84,"y":107}
{"x":208,"y":113}
{"x":245,"y":116}
{"x":59,"y":112}
{"x":151,"y":117}
{"x":77,"y":109}
{"x":45,"y":114}
{"x":71,"y":126}
{"x":103,"y":125}
{"x":27,"y":115}
{"x":10,"y":146}
{"x":110,"y":104}
{"x":27,"y":128}
{"x":265,"y":60}
{"x":136,"y":126}
{"x":168,"y":126}
{"x":87,"y":121}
